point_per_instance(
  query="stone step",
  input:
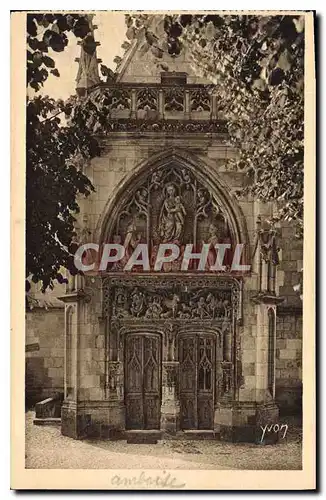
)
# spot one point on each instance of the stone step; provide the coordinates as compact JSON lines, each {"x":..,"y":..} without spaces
{"x":47,"y":421}
{"x":197,"y":434}
{"x":143,"y":436}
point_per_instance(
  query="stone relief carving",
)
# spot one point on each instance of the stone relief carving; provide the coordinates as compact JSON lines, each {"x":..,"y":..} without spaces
{"x":140,"y":303}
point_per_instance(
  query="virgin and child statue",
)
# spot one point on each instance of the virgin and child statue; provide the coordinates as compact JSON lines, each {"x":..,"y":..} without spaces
{"x":172,"y":217}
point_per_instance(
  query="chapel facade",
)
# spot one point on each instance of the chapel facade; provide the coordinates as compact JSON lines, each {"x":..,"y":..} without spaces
{"x":176,"y":351}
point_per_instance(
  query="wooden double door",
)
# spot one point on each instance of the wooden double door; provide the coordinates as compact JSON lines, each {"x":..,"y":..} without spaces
{"x":196,"y":384}
{"x":143,"y":381}
{"x":197,"y":358}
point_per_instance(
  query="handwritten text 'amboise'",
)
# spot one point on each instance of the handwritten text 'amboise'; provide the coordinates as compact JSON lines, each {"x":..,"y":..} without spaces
{"x":163,"y":480}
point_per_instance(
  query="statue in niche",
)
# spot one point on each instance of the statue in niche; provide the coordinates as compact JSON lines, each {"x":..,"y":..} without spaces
{"x":212,"y":240}
{"x":215,"y":236}
{"x":132,"y":238}
{"x":172,"y":217}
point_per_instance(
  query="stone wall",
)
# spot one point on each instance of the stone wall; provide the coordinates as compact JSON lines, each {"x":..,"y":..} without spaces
{"x":289,"y":323}
{"x":44,"y":353}
{"x":289,"y":362}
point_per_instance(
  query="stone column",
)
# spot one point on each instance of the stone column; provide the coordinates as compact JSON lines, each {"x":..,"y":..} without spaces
{"x":187,"y":104}
{"x":133,"y":113}
{"x":170,"y":409}
{"x":160,"y":104}
{"x":213,"y":107}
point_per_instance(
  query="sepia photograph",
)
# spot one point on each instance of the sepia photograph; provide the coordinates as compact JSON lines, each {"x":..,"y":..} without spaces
{"x":166,"y":194}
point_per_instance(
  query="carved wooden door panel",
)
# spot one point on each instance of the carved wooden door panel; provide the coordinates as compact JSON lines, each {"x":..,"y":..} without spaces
{"x":197,"y":375}
{"x":188,"y":393}
{"x":205,"y":381}
{"x":143,"y":381}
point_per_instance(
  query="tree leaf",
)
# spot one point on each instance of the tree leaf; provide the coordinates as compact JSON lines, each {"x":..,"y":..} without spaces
{"x":48,"y":61}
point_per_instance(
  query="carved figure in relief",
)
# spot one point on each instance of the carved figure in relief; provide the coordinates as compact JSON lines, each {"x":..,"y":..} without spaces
{"x":156,"y":179}
{"x":185,"y":312}
{"x":133,"y":237}
{"x":186,"y":177}
{"x":180,"y":213}
{"x":172,"y":216}
{"x":141,"y":200}
{"x":214,"y":239}
{"x":201,"y":310}
{"x":154,"y":309}
{"x":138,"y":303}
{"x":203,"y":203}
{"x":173,"y":307}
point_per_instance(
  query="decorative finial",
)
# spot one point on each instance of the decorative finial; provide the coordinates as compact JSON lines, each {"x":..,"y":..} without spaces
{"x":88,"y":73}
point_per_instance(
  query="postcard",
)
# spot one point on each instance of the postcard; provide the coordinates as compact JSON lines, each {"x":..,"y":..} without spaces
{"x":163,"y":215}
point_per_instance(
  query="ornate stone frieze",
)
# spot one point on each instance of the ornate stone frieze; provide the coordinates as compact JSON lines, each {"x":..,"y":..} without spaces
{"x":168,"y":126}
{"x":178,"y":298}
{"x":141,"y":304}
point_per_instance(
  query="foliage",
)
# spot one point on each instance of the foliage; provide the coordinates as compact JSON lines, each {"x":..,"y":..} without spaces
{"x":256,"y":66}
{"x":46,"y":32}
{"x":55,"y":154}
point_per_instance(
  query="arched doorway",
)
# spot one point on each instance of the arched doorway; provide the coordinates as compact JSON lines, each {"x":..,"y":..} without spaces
{"x":162,"y":323}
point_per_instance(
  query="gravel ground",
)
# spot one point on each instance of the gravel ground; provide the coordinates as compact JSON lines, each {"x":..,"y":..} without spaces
{"x":46,"y":448}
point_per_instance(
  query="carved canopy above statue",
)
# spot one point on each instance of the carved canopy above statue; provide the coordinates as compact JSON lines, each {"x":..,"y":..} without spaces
{"x":171,"y":203}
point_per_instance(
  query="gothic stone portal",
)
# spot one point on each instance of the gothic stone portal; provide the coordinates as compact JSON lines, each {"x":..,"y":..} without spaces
{"x":175,"y":337}
{"x":173,"y":334}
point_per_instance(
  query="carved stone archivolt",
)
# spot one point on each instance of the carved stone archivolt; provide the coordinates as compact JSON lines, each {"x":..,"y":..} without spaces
{"x":170,"y":206}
